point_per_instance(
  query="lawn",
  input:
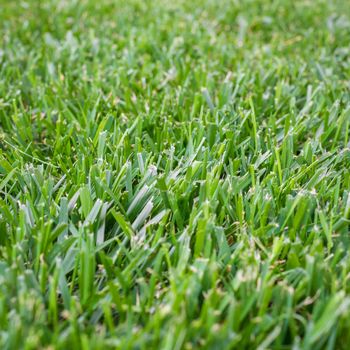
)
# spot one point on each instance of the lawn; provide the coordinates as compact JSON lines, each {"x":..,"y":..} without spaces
{"x":174,"y":174}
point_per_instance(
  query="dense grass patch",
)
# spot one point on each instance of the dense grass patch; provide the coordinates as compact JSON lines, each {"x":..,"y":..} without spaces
{"x":174,"y":174}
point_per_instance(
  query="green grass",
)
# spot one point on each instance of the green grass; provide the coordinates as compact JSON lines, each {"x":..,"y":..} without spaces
{"x":174,"y":174}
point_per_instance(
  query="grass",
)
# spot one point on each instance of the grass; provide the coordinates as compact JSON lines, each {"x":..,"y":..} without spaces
{"x":174,"y":174}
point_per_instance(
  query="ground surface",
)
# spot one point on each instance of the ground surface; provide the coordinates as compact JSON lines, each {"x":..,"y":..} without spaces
{"x":174,"y":174}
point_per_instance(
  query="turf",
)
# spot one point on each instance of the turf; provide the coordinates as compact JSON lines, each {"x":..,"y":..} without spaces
{"x":174,"y":174}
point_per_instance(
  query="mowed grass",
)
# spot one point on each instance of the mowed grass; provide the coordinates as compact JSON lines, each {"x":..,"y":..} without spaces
{"x":174,"y":174}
